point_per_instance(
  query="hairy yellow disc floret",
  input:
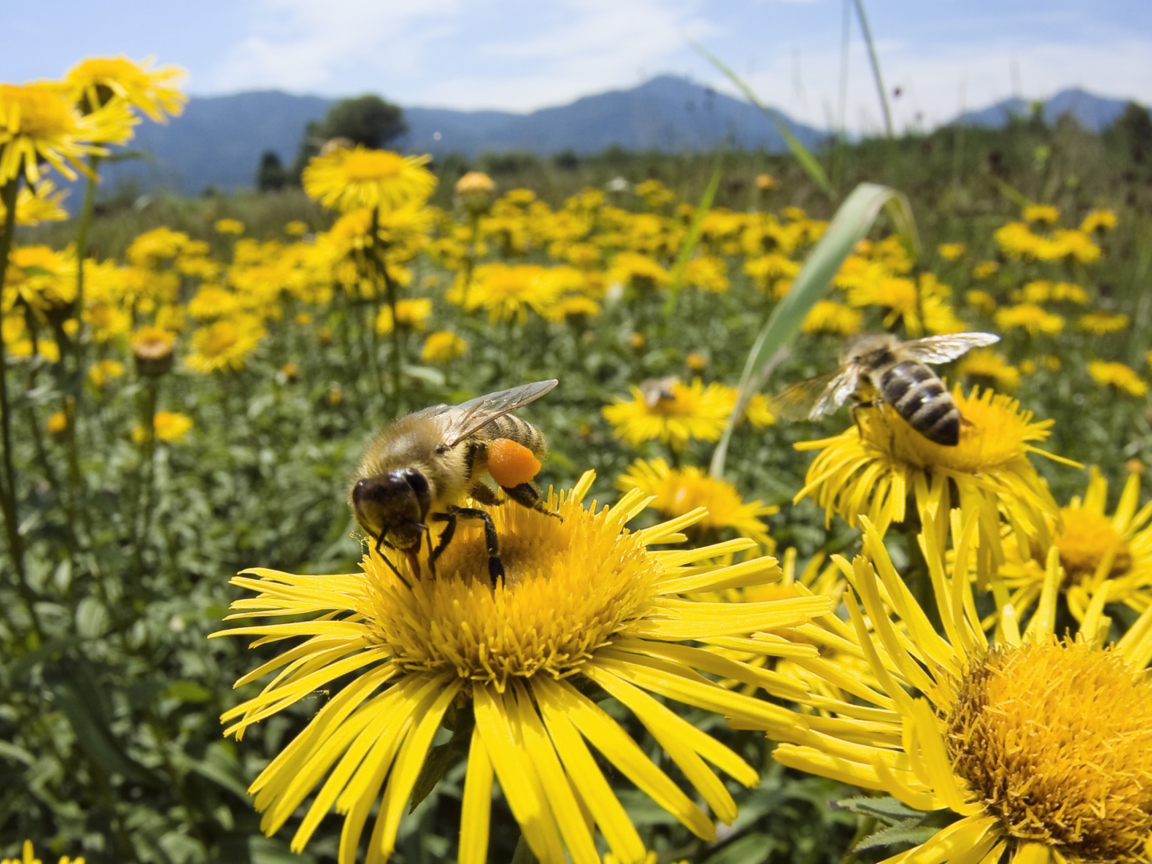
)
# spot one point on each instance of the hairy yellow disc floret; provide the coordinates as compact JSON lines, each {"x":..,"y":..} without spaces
{"x":1056,"y":738}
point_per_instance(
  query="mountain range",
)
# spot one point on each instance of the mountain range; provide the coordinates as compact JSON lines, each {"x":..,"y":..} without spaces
{"x":218,"y":140}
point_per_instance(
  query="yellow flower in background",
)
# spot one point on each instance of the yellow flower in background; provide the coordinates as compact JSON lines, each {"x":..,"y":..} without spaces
{"x":27,"y":856}
{"x":104,"y":371}
{"x":1118,"y":375}
{"x":985,"y":270}
{"x":573,"y":309}
{"x":1043,"y":291}
{"x":766,"y":182}
{"x":707,"y":273}
{"x":870,"y":470}
{"x":508,"y":293}
{"x":1041,"y":746}
{"x":475,"y":182}
{"x":828,"y":316}
{"x":981,"y":301}
{"x":687,"y":412}
{"x":584,"y":600}
{"x":38,"y":203}
{"x":1095,"y":552}
{"x":350,"y":178}
{"x":225,"y":344}
{"x":677,"y":491}
{"x":169,"y":426}
{"x":152,"y":349}
{"x":412,"y":314}
{"x":229,"y":226}
{"x":442,"y":346}
{"x":639,"y":271}
{"x":160,"y":246}
{"x":1098,"y":220}
{"x":42,"y":281}
{"x":951,"y":251}
{"x":655,"y":194}
{"x":97,"y":80}
{"x":38,"y":123}
{"x":1102,"y":323}
{"x":1030,"y":318}
{"x":213,"y":301}
{"x":296,"y":228}
{"x":990,"y":366}
{"x":56,"y":424}
{"x":1044,"y":213}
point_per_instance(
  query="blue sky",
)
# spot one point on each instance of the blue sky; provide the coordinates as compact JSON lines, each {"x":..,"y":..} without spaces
{"x":944,"y":55}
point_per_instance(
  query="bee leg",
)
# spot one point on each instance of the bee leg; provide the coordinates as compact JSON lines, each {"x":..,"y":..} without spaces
{"x":484,"y":495}
{"x":380,"y":551}
{"x":528,"y":495}
{"x":495,"y":568}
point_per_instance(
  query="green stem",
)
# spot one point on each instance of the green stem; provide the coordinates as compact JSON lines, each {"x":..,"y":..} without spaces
{"x":148,"y":470}
{"x":397,"y":382}
{"x":875,"y":67}
{"x":8,"y":492}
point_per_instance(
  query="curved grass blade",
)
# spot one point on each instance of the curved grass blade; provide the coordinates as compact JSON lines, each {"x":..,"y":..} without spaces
{"x":847,"y":228}
{"x":803,"y":154}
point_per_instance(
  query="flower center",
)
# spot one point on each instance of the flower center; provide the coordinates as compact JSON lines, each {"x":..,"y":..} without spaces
{"x":220,"y":337}
{"x":1086,"y":539}
{"x":35,"y":112}
{"x":367,"y":166}
{"x":1056,"y":738}
{"x":570,"y":585}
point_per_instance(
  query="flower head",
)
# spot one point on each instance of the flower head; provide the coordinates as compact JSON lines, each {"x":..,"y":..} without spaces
{"x":1118,"y":375}
{"x":677,"y":491}
{"x":442,"y":346}
{"x":508,"y":292}
{"x":225,"y":344}
{"x":98,"y":80}
{"x":38,"y":123}
{"x":350,"y":178}
{"x":678,"y":414}
{"x":167,"y":426}
{"x":583,"y":600}
{"x":869,"y":470}
{"x":152,"y":348}
{"x":1041,"y":746}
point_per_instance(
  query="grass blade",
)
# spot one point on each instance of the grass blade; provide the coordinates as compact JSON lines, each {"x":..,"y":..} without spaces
{"x":803,"y":155}
{"x":693,"y":235}
{"x":850,"y":225}
{"x":875,"y":67}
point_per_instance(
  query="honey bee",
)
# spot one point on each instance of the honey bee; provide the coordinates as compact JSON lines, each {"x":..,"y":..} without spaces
{"x":657,"y":390}
{"x":419,"y":468}
{"x":880,"y":368}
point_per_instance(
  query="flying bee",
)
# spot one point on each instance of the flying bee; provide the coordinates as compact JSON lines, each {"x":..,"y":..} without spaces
{"x":418,"y":470}
{"x":880,"y":368}
{"x":657,"y":390}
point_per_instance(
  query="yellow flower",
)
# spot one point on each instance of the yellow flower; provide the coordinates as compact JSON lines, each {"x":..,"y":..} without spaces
{"x":1098,"y":220}
{"x":981,"y":301}
{"x":296,"y":228}
{"x":442,"y":346}
{"x":708,"y":273}
{"x":584,"y":601}
{"x":41,"y":280}
{"x":38,"y":123}
{"x":28,"y":857}
{"x":1029,"y":317}
{"x":475,"y":183}
{"x":1041,"y":746}
{"x":152,"y":348}
{"x":871,"y":469}
{"x":225,"y":344}
{"x":828,"y":316}
{"x":990,"y":366}
{"x":36,"y":204}
{"x":766,"y":182}
{"x":1102,"y":322}
{"x":655,"y":193}
{"x":56,"y":424}
{"x":951,"y":251}
{"x":169,"y":426}
{"x":213,"y":301}
{"x":985,"y":269}
{"x":1095,"y":551}
{"x":697,"y":361}
{"x":1044,"y":213}
{"x":229,"y":226}
{"x":677,"y":491}
{"x":104,"y":371}
{"x":347,"y":179}
{"x":1117,"y":375}
{"x":508,"y":292}
{"x":413,"y":314}
{"x":639,"y":271}
{"x":97,"y":80}
{"x":693,"y":412}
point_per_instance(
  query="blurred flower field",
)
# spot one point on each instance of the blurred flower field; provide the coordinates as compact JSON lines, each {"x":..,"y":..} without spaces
{"x":704,"y":655}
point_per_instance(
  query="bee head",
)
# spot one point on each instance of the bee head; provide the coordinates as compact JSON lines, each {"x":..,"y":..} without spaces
{"x":391,"y":507}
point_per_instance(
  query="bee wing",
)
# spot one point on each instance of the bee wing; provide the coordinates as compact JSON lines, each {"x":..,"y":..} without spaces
{"x":941,"y":349}
{"x":814,"y":397}
{"x":479,"y":412}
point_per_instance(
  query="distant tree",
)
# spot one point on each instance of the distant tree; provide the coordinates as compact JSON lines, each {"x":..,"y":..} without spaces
{"x":271,"y":176}
{"x":367,"y":120}
{"x":1133,"y":130}
{"x":566,"y":160}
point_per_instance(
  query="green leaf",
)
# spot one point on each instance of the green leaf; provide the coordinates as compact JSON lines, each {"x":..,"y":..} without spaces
{"x":848,"y":227}
{"x":803,"y":154}
{"x":750,"y":849}
{"x":439,"y":760}
{"x":693,"y":235}
{"x":188,"y":691}
{"x":221,"y":767}
{"x":906,"y":831}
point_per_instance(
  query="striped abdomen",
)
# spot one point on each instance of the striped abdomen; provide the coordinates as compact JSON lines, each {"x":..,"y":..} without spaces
{"x":918,"y":395}
{"x":521,"y":431}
